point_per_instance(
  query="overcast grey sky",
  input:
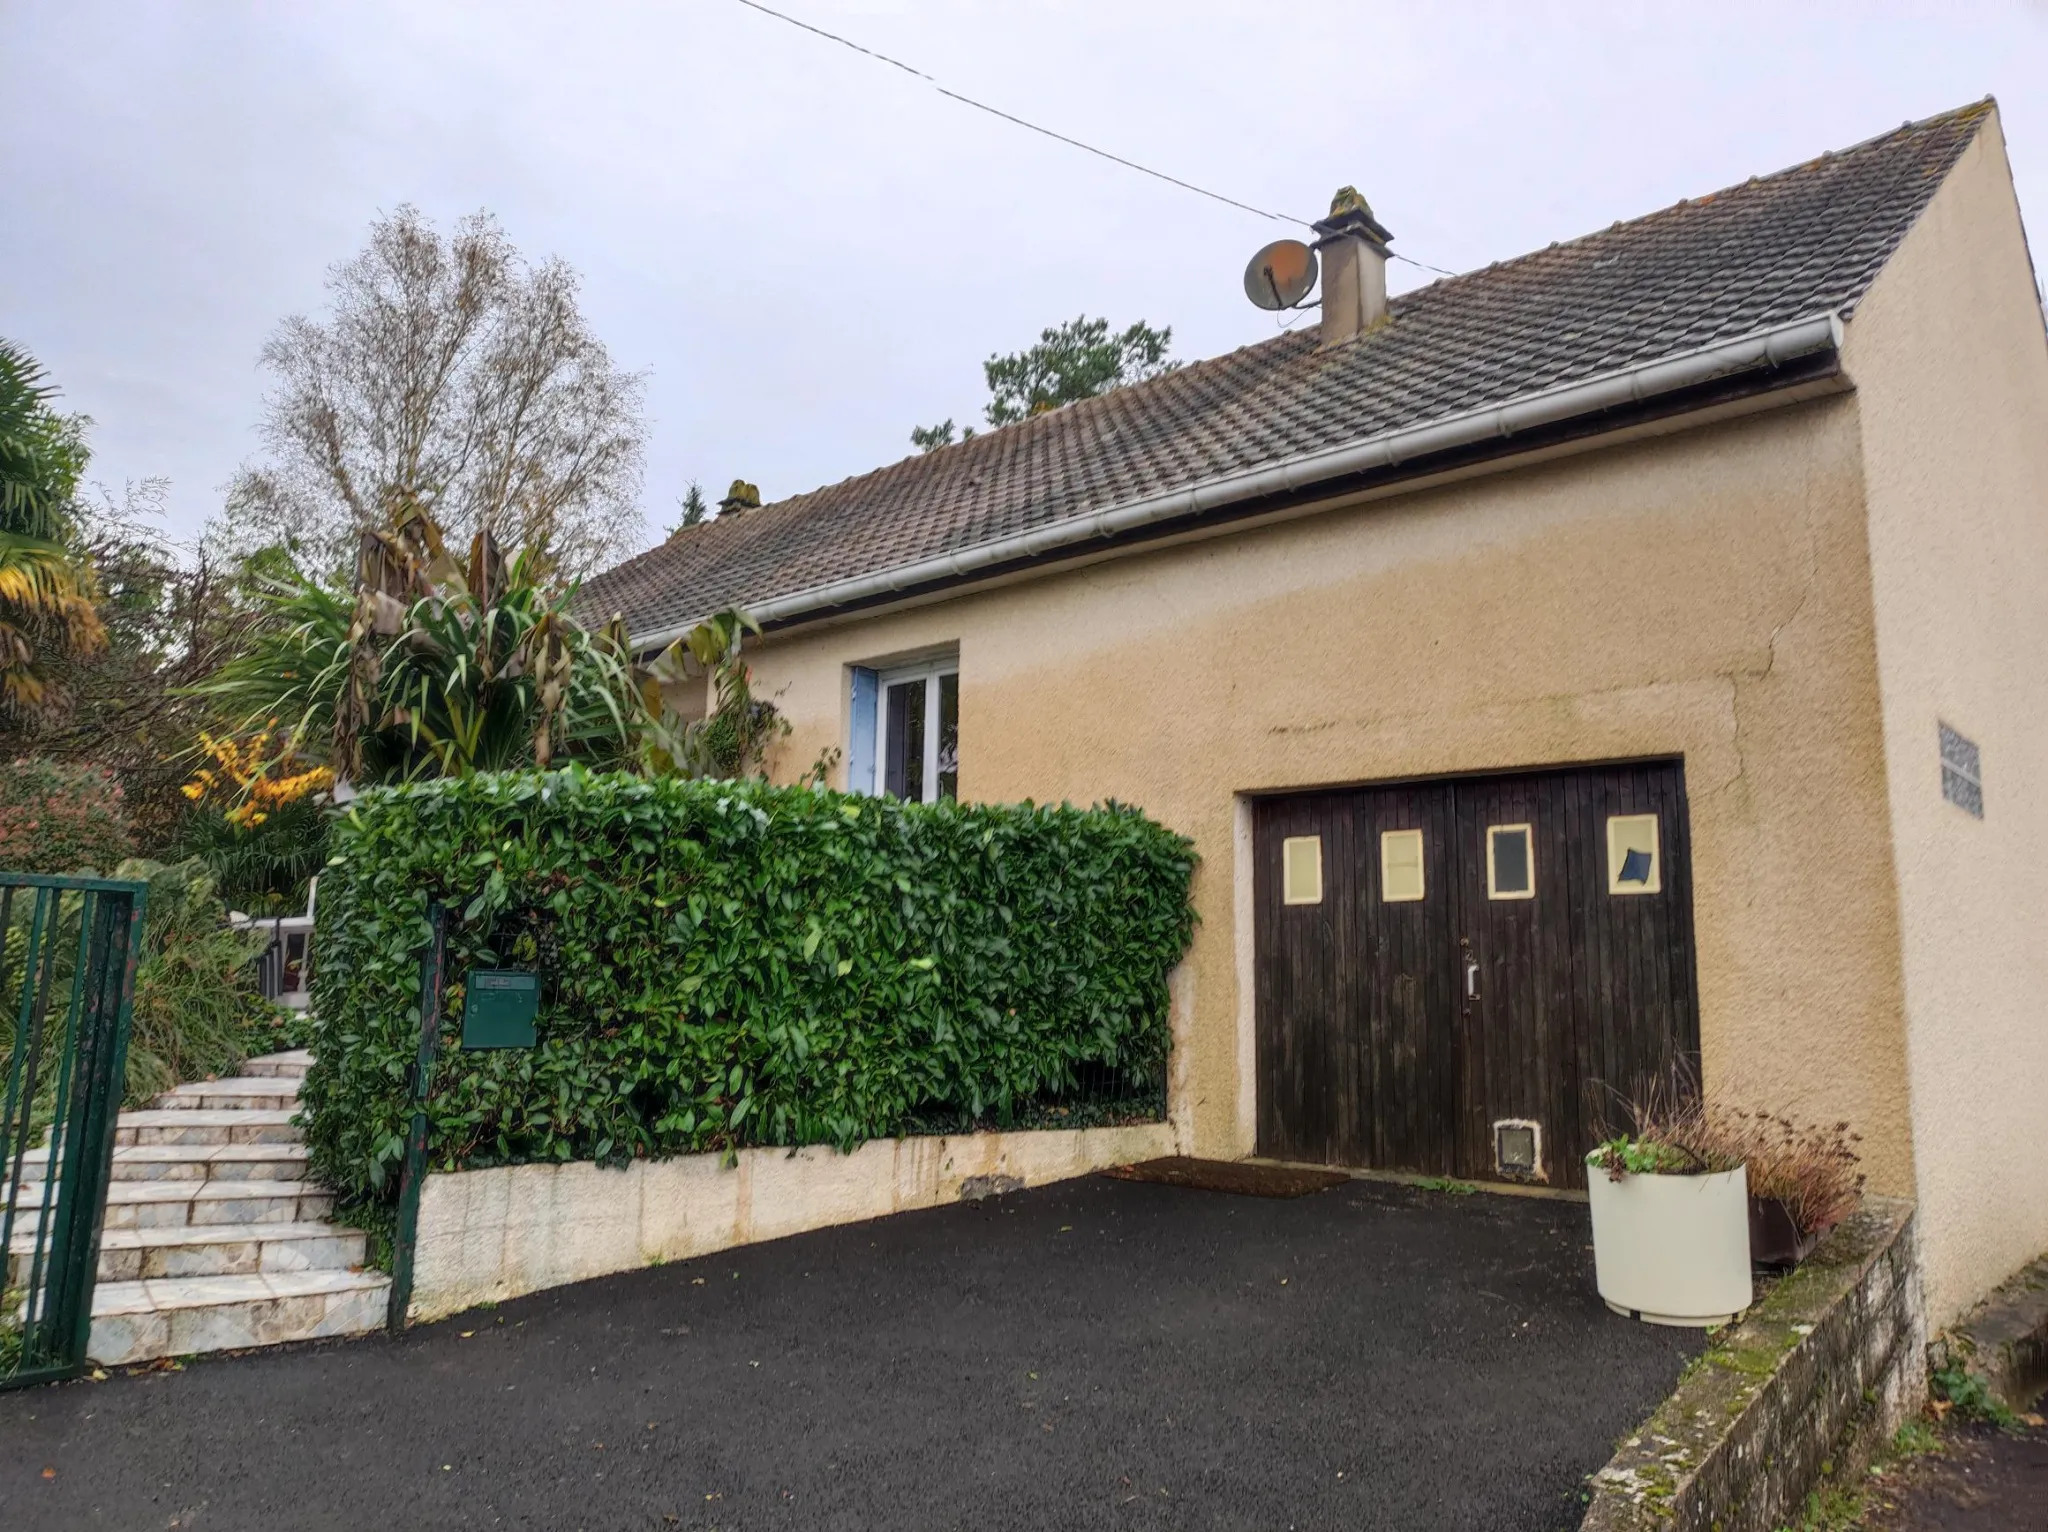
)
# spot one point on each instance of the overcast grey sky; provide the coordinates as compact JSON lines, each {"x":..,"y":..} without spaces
{"x":809,"y":252}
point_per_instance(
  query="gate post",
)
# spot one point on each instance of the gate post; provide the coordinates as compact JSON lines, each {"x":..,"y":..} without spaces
{"x":64,"y":1076}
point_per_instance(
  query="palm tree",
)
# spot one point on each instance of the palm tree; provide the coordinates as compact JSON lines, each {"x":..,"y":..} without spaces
{"x":41,"y":590}
{"x":45,"y":593}
{"x":41,"y":452}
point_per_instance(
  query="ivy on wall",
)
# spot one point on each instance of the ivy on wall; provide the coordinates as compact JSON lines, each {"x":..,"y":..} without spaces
{"x":726,"y":964}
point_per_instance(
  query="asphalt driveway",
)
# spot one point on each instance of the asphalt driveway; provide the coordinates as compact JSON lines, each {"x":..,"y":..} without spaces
{"x":1095,"y":1354}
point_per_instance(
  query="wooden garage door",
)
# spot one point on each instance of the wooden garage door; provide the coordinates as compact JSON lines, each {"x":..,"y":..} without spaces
{"x":1437,"y":958}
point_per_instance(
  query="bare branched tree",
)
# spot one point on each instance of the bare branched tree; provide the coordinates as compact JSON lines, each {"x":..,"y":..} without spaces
{"x":172,"y":617}
{"x":452,"y":376}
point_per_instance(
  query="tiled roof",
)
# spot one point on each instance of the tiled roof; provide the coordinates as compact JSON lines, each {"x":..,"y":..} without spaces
{"x":1776,"y":248}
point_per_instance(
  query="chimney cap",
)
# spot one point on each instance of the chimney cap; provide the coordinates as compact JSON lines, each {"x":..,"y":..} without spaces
{"x":1348,"y":199}
{"x":1351,"y":217}
{"x":741,"y":497}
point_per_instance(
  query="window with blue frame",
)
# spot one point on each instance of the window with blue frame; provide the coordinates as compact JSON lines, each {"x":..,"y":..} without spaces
{"x":905,"y":731}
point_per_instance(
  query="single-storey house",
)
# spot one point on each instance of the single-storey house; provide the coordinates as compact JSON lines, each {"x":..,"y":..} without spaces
{"x":1634,"y":648}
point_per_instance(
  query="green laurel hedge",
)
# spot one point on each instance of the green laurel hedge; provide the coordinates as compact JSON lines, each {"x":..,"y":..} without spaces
{"x":725,"y":964}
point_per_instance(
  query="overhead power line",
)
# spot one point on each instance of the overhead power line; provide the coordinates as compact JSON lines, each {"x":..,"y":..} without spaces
{"x":1013,"y":118}
{"x":1397,"y":255}
{"x":983,"y":106}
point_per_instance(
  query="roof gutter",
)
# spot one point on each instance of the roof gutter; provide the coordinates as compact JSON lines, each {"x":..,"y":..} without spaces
{"x":1632,"y":385}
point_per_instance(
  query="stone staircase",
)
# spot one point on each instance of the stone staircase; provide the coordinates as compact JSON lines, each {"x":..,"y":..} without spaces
{"x":214,"y":1239}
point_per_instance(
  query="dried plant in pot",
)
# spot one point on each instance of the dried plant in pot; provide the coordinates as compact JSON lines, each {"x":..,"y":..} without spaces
{"x":1803,"y":1180}
{"x":1670,"y":1206}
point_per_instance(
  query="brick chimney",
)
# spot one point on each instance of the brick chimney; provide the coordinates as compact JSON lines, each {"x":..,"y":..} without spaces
{"x":742,"y":497}
{"x":1354,"y":250}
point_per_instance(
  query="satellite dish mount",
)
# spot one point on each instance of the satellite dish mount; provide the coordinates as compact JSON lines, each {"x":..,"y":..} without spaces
{"x":1282,"y":275}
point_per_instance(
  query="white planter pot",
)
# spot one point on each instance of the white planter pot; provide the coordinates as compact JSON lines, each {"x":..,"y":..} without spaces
{"x":1672,"y":1250}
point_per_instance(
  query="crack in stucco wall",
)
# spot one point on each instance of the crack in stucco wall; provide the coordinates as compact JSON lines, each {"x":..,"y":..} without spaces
{"x":1739,"y":677}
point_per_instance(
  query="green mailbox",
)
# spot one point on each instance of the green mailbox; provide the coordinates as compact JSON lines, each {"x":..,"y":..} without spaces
{"x":498,"y":1007}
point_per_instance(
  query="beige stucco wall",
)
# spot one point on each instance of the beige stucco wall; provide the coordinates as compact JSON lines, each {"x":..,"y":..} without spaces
{"x":1952,"y":373}
{"x":1704,"y":593}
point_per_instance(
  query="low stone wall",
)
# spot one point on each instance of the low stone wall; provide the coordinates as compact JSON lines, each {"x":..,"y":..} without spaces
{"x":487,"y":1235}
{"x":1818,"y":1375}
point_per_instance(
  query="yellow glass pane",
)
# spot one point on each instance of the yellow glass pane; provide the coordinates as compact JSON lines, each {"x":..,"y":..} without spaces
{"x":1301,"y":869}
{"x":1401,"y":866}
{"x":1633,"y":863}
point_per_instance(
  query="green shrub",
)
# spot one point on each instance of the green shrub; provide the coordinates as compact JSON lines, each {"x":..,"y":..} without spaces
{"x":1968,"y":1394}
{"x":199,"y":1010}
{"x":56,"y":817}
{"x":730,"y":963}
{"x":263,"y":868}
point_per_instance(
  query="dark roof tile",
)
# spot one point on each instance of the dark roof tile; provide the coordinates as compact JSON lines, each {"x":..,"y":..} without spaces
{"x":1771,"y":250}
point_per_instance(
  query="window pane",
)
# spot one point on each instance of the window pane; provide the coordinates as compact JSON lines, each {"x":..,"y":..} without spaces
{"x":903,"y":768}
{"x":1509,"y":874}
{"x":895,"y":707}
{"x":949,"y":736}
{"x":1633,"y":866}
{"x":1400,"y":866}
{"x":1301,"y":869}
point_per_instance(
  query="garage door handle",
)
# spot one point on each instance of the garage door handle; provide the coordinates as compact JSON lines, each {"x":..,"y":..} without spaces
{"x":1471,"y":979}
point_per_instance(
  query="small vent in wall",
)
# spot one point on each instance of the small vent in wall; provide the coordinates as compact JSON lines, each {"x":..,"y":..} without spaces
{"x":1962,"y":772}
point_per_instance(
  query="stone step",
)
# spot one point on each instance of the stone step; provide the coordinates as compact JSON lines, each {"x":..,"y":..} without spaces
{"x":213,"y":1238}
{"x":192,"y":1162}
{"x":196,"y":1126}
{"x":177,"y":1316}
{"x":213,"y":1250}
{"x":291,"y":1065}
{"x":237,"y":1093}
{"x":169,"y":1204}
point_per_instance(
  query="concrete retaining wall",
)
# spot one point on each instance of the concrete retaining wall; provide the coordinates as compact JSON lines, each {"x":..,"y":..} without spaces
{"x":1818,"y":1375}
{"x":494,"y":1234}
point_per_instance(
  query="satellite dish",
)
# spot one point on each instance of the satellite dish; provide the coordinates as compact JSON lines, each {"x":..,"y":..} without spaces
{"x":1281,"y":275}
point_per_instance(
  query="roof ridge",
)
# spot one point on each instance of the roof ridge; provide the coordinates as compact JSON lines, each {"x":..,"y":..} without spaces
{"x":1978,"y":109}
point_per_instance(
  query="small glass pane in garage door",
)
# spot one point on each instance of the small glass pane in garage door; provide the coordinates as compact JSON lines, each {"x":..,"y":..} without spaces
{"x":1510,"y":862}
{"x":1633,"y":865}
{"x":1400,"y":866}
{"x":1301,"y":869}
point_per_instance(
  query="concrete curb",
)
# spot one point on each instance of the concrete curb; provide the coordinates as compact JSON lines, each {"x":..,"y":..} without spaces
{"x":1806,"y":1387}
{"x":2004,"y":1339}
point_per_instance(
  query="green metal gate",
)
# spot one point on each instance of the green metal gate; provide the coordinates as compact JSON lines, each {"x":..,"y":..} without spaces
{"x":68,"y":950}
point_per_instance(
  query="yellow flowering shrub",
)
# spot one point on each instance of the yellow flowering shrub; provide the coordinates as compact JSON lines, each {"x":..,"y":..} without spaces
{"x":254,"y":775}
